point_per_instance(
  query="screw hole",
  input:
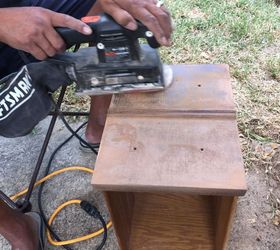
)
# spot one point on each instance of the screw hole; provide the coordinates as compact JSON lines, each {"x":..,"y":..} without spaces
{"x":134,"y":148}
{"x":199,"y":85}
{"x":202,"y":149}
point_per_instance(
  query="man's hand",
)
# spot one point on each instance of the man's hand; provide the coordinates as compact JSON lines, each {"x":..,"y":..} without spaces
{"x":157,"y":19}
{"x":31,"y":29}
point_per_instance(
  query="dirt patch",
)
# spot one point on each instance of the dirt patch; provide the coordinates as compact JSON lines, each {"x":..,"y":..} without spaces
{"x":253,"y":228}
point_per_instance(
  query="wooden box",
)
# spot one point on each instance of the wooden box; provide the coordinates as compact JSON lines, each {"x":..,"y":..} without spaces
{"x":170,"y":164}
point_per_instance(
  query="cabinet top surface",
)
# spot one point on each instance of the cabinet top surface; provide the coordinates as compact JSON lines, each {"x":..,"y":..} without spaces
{"x":182,"y":139}
{"x":194,"y":88}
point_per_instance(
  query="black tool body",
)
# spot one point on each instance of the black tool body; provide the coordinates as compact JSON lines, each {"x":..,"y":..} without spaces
{"x":118,"y":62}
{"x":102,"y":26}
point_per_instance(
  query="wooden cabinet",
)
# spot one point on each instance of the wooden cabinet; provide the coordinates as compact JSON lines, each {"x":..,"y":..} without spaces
{"x":170,"y":164}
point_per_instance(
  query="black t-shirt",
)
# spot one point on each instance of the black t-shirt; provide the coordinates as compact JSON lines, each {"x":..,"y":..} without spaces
{"x":13,"y":3}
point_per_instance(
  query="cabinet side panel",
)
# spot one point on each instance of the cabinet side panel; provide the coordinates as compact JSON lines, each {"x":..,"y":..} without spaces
{"x":120,"y":206}
{"x":224,"y":213}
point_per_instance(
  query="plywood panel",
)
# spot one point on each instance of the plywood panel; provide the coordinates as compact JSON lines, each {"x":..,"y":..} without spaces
{"x":172,"y":221}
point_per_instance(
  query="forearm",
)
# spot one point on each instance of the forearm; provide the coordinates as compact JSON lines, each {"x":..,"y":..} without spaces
{"x":32,"y":29}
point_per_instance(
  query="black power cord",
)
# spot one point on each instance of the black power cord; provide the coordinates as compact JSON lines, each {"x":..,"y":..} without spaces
{"x":90,"y":209}
{"x":47,"y":170}
{"x":76,"y":135}
{"x":93,"y":211}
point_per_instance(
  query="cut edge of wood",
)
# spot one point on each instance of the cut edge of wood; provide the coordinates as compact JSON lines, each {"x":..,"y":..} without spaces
{"x":230,"y":191}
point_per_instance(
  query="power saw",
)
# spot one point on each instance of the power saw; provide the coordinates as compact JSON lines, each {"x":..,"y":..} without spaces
{"x":116,"y":62}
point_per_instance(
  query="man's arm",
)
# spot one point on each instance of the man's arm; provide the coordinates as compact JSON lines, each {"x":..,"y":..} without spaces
{"x":31,"y":29}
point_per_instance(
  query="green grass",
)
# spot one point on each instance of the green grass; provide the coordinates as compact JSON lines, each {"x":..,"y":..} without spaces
{"x":231,"y":32}
{"x":223,"y":30}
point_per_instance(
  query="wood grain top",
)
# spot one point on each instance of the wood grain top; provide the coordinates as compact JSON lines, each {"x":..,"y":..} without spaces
{"x":184,"y":139}
{"x":195,"y":88}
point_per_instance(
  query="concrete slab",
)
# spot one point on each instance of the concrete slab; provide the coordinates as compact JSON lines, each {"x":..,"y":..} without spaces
{"x":18,"y":159}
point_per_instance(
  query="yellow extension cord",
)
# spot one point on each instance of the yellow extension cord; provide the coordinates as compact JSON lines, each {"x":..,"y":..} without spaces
{"x":56,"y":212}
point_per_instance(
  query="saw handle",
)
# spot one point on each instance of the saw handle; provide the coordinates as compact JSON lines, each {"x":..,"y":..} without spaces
{"x":102,"y":26}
